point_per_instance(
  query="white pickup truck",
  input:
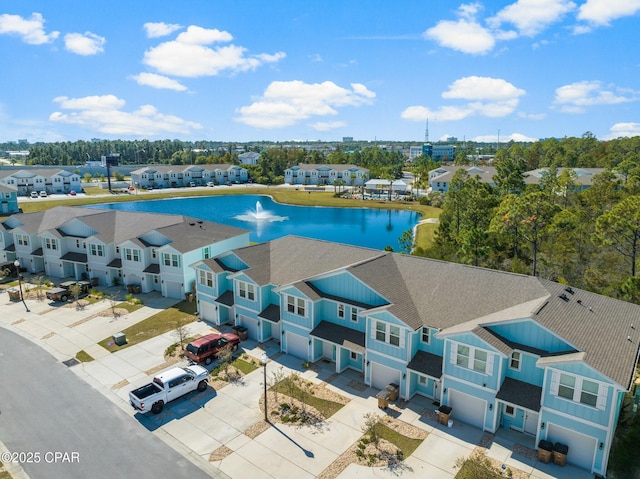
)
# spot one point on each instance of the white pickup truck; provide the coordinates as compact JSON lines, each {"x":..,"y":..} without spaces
{"x":169,"y":385}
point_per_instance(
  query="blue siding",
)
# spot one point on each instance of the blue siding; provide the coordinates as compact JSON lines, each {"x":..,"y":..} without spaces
{"x":487,"y":381}
{"x":344,"y":285}
{"x":532,"y":334}
{"x":529,"y":372}
{"x":400,"y":352}
{"x":231,"y":261}
{"x":509,"y":422}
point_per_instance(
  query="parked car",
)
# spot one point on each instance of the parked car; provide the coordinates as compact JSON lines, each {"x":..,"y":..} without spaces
{"x":64,"y":292}
{"x":193,"y":183}
{"x":72,"y":193}
{"x":211,"y":184}
{"x":43,"y":194}
{"x":166,"y":387}
{"x":206,"y":348}
{"x":34,"y":194}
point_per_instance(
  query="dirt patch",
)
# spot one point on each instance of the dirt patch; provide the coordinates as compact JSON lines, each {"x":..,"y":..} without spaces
{"x":48,"y":335}
{"x":256,"y":429}
{"x":121,"y":384}
{"x":116,"y":311}
{"x":220,"y":453}
{"x":384,"y":454}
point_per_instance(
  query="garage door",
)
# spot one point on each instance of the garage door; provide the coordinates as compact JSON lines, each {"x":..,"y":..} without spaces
{"x":297,"y":346}
{"x":382,"y":376}
{"x":467,"y":408}
{"x":250,"y":324}
{"x":581,"y":448}
{"x":208,"y":312}
{"x":174,"y":290}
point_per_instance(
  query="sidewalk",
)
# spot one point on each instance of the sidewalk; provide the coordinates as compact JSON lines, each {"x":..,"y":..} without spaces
{"x":203,"y":423}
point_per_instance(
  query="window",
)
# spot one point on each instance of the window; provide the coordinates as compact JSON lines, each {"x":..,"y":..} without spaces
{"x":480,"y":361}
{"x":567,"y":386}
{"x":463,"y":356}
{"x":296,"y":305}
{"x":206,"y":253}
{"x":51,"y":243}
{"x":96,"y":249}
{"x":422,"y":380}
{"x":589,"y":393}
{"x":23,"y":240}
{"x":246,"y":290}
{"x":205,"y":278}
{"x":425,"y":337}
{"x":341,"y":311}
{"x":170,"y":259}
{"x":381,"y":331}
{"x":514,"y":362}
{"x":354,"y":314}
{"x":132,"y":254}
{"x":394,"y":335}
{"x":510,"y":411}
{"x":354,"y":356}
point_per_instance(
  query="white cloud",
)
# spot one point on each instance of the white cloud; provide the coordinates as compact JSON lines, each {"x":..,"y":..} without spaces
{"x":160,"y":29}
{"x":84,"y":44}
{"x":531,"y":17}
{"x":532,"y":116}
{"x":601,"y":12}
{"x":285,"y":103}
{"x":158,"y":81}
{"x":104,"y":114}
{"x":517,"y":137}
{"x":328,"y":125}
{"x":574,"y":98}
{"x":490,"y":97}
{"x":30,"y":30}
{"x":462,"y":35}
{"x":190,"y":55}
{"x":624,"y":129}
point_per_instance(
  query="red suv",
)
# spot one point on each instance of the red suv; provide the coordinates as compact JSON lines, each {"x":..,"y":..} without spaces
{"x":206,"y":348}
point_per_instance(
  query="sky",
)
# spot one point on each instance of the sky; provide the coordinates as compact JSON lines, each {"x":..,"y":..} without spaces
{"x":241,"y":71}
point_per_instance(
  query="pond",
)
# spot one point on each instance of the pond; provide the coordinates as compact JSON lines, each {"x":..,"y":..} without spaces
{"x":267,"y":220}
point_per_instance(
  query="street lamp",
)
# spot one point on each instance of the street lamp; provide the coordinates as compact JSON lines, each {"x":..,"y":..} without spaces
{"x":16,"y":263}
{"x":264,"y":368}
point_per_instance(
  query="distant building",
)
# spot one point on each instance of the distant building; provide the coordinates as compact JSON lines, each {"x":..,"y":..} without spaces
{"x":414,"y":152}
{"x":249,"y":158}
{"x":178,"y":176}
{"x":347,"y":139}
{"x":439,"y":152}
{"x":306,"y":174}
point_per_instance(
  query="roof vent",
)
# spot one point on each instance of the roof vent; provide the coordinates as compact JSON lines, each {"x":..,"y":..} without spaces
{"x":192,"y":224}
{"x":569,"y":290}
{"x":579,"y":301}
{"x":563,"y":297}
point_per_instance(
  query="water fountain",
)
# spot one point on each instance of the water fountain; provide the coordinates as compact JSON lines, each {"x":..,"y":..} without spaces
{"x":260,"y":215}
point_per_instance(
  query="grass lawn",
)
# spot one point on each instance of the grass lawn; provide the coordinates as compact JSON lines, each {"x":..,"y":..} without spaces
{"x":406,"y":444}
{"x":424,"y":235}
{"x":289,"y":387}
{"x":242,"y":365}
{"x":3,"y":473}
{"x":84,"y":357}
{"x":171,"y":318}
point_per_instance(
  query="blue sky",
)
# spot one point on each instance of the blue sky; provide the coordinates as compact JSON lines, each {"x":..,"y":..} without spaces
{"x":318,"y":70}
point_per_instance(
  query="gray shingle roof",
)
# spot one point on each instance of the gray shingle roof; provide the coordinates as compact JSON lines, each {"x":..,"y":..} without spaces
{"x":520,"y":393}
{"x":426,"y":363}
{"x":340,"y":335}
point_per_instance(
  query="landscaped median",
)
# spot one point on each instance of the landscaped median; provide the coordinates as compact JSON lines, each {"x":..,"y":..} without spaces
{"x":170,"y":319}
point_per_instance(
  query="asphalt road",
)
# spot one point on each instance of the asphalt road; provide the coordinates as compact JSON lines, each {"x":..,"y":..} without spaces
{"x":47,"y":411}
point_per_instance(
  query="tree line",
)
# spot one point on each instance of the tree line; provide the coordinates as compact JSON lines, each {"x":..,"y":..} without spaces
{"x":555,"y":229}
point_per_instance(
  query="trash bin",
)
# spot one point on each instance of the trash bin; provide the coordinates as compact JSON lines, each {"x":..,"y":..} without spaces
{"x":545,"y":448}
{"x":119,"y":339}
{"x":444,"y":414}
{"x":14,"y":294}
{"x":241,"y":332}
{"x":383,"y":399}
{"x":392,"y":389}
{"x":560,"y":452}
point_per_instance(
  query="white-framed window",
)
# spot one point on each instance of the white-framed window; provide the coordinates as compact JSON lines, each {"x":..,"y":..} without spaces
{"x":51,"y":243}
{"x":578,"y":389}
{"x":206,"y":252}
{"x":22,"y":240}
{"x":514,"y":361}
{"x":171,"y":259}
{"x":353,"y":356}
{"x":388,"y":333}
{"x":425,"y":335}
{"x":354,"y":314}
{"x":341,"y":311}
{"x":296,"y":305}
{"x":131,"y":254}
{"x":470,"y":357}
{"x":205,"y":278}
{"x":246,"y":290}
{"x":509,"y":410}
{"x":96,"y":249}
{"x":422,"y":380}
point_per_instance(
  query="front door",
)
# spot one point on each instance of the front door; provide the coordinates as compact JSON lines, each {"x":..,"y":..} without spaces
{"x":530,"y":422}
{"x":436,"y":390}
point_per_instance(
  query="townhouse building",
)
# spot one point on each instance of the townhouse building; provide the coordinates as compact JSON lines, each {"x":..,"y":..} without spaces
{"x":177,"y":176}
{"x":51,"y":181}
{"x":8,"y":199}
{"x":503,"y":350}
{"x":111,"y":247}
{"x":310,"y":174}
